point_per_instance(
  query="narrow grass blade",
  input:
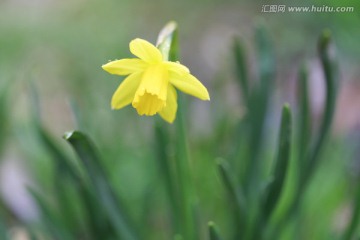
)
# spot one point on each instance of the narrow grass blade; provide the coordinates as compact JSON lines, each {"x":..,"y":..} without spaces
{"x":281,"y":164}
{"x":62,"y":161}
{"x":87,"y":153}
{"x":313,"y":156}
{"x":95,"y":219}
{"x":355,"y":219}
{"x":51,"y":222}
{"x":330,"y":73}
{"x":241,"y":69}
{"x":259,"y":103}
{"x":236,"y":197}
{"x":304,"y":125}
{"x":213,"y":231}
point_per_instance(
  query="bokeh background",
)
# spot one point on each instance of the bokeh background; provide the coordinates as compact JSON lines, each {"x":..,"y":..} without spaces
{"x":55,"y":49}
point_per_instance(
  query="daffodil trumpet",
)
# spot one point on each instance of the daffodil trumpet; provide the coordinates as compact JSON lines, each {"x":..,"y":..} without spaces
{"x":151,"y":81}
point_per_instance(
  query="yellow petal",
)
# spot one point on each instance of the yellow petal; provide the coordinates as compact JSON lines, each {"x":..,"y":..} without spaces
{"x":168,"y":113}
{"x":125,"y":93}
{"x":190,"y":85}
{"x":176,"y":67}
{"x":125,"y":66}
{"x":145,"y":50}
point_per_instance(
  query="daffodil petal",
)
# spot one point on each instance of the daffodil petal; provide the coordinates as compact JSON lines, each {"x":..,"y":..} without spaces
{"x":145,"y":50}
{"x":125,"y":93}
{"x":168,"y":113}
{"x":177,"y":67}
{"x":190,"y":85}
{"x":125,"y":66}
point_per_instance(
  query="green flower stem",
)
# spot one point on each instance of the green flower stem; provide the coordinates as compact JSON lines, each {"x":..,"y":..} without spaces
{"x":187,"y":194}
{"x":168,"y":45}
{"x":167,"y":170}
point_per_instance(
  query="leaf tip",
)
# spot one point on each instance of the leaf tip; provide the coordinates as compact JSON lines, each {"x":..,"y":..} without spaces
{"x":69,"y":135}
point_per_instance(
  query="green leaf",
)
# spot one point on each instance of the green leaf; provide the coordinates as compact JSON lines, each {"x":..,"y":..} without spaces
{"x":355,"y":218}
{"x":304,"y":128}
{"x":329,"y":65}
{"x":63,"y":163}
{"x":236,"y":197}
{"x":331,"y":73}
{"x":50,"y":220}
{"x":281,"y":164}
{"x":111,"y":205}
{"x":258,"y":107}
{"x":213,"y":231}
{"x":241,"y":69}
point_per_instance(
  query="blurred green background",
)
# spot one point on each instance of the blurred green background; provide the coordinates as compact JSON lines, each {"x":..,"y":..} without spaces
{"x":53,"y":51}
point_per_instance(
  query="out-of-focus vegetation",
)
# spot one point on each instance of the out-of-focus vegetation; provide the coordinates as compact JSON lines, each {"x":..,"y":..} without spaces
{"x":255,"y":172}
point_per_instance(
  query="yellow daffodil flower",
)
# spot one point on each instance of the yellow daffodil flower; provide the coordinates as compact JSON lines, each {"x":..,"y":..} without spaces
{"x":150,"y":85}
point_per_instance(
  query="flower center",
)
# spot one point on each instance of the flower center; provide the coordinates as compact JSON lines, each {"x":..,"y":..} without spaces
{"x":148,"y":104}
{"x":150,"y":97}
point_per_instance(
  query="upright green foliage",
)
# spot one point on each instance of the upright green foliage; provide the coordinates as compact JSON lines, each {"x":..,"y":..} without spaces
{"x":260,"y":99}
{"x":213,"y":231}
{"x":168,"y":45}
{"x":100,"y":184}
{"x":236,"y":198}
{"x":281,"y":164}
{"x":241,"y":68}
{"x":330,"y":73}
{"x":350,"y":232}
{"x":85,"y":205}
{"x":304,"y":125}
